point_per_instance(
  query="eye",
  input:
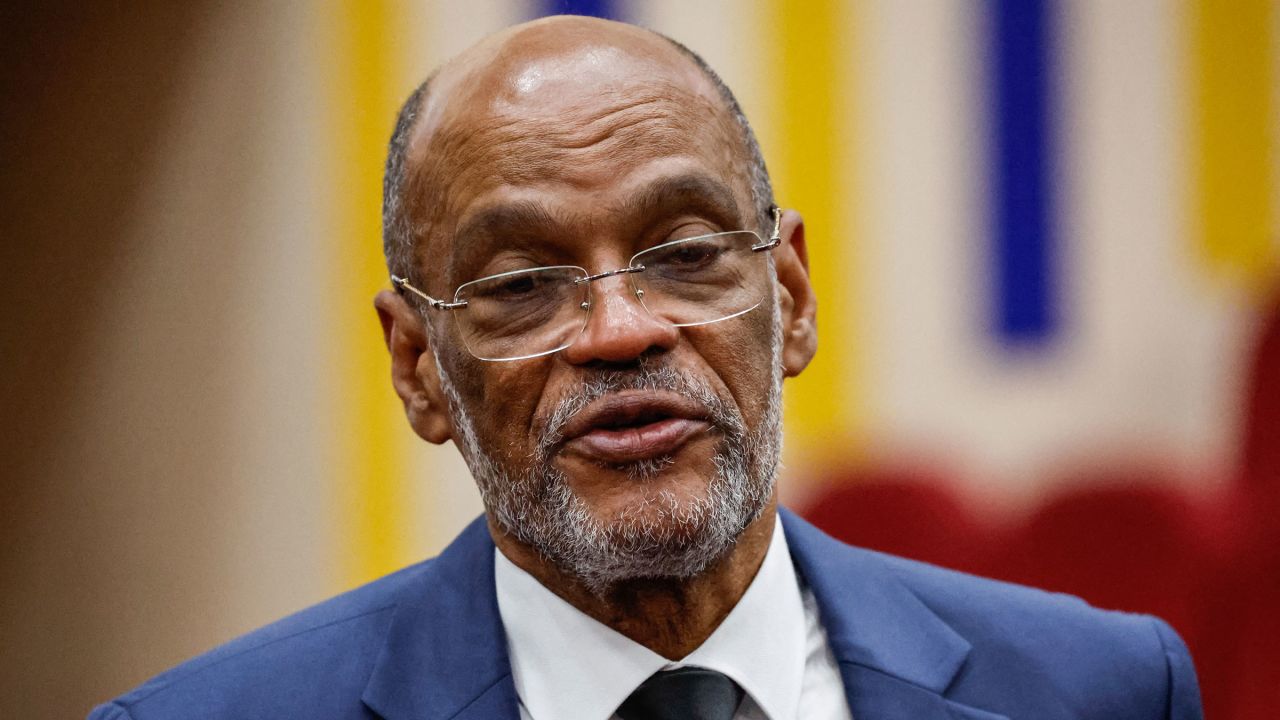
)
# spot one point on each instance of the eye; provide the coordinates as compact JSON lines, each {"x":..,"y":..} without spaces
{"x":690,"y":260}
{"x":514,"y":288}
{"x":692,"y":255}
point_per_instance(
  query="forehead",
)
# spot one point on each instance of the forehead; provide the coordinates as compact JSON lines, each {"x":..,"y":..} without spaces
{"x":575,"y":116}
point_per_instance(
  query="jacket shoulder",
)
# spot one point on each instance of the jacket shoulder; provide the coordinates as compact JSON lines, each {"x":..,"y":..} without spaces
{"x":990,"y":644}
{"x":1097,"y":662}
{"x":320,"y":657}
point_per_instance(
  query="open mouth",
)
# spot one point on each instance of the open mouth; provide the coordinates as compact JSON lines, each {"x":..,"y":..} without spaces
{"x":634,"y":425}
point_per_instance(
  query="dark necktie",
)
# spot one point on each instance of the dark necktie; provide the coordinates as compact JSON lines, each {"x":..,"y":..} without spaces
{"x":685,"y":694}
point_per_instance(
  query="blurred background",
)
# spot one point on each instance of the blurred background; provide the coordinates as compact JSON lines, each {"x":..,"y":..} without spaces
{"x":1044,"y":237}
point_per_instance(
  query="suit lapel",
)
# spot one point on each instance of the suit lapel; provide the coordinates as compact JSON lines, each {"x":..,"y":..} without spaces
{"x":445,"y":655}
{"x":897,"y":657}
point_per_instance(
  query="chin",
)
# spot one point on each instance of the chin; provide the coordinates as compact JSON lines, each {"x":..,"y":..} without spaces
{"x":672,"y":516}
{"x":662,"y":518}
{"x":653,"y":496}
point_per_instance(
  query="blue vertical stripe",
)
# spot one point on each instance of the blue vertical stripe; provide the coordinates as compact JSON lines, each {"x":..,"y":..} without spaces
{"x":595,"y":8}
{"x":1023,"y":169}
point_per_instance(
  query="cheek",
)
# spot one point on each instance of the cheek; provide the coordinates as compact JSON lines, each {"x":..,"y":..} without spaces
{"x":501,"y":399}
{"x":741,"y":358}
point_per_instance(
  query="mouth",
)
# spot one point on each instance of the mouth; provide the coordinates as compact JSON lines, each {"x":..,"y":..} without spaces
{"x":632,"y":426}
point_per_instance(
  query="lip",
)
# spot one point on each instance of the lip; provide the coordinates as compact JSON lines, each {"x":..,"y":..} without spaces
{"x":634,"y":425}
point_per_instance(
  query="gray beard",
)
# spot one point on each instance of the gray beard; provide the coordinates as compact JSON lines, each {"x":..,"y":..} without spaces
{"x":662,"y":537}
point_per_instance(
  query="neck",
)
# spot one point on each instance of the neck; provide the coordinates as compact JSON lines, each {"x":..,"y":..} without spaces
{"x":671,"y":617}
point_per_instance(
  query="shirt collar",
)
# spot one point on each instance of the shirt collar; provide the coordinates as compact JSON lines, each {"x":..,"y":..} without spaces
{"x":567,"y":666}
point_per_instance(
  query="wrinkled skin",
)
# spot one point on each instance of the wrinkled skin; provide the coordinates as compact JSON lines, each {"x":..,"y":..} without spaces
{"x":578,"y":141}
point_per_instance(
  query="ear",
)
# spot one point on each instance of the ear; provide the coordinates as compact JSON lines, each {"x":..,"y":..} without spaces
{"x":795,"y":293}
{"x":414,"y":374}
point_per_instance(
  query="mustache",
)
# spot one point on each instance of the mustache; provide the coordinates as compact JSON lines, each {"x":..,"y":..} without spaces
{"x":643,"y":377}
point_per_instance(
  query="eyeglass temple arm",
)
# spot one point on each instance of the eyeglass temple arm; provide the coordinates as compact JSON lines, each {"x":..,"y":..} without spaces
{"x":775,"y":238}
{"x":401,"y":284}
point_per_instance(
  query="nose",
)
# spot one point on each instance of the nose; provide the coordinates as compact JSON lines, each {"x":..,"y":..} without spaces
{"x":619,"y":328}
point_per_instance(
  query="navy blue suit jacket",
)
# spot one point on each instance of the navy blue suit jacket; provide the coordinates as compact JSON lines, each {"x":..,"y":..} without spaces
{"x":912,"y":641}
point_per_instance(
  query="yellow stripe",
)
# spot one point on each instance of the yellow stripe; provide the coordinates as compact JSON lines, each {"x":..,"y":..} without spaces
{"x":810,"y":126}
{"x":373,"y":512}
{"x":1233,"y":145}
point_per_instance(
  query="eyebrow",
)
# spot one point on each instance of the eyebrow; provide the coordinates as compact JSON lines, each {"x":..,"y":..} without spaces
{"x":690,"y":191}
{"x":476,"y":236}
{"x":656,"y":201}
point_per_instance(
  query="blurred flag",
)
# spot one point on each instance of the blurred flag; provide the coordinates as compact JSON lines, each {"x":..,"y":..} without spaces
{"x":1040,"y":231}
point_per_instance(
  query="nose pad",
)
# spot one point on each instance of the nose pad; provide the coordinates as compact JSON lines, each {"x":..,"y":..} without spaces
{"x":586,"y":305}
{"x":631,"y":283}
{"x":619,"y":327}
{"x":613,"y":294}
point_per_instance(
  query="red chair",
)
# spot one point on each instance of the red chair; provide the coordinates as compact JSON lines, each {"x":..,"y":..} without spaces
{"x":1240,"y":662}
{"x":1239,"y":658}
{"x":1124,"y":542}
{"x":905,"y":513}
{"x":1260,"y":474}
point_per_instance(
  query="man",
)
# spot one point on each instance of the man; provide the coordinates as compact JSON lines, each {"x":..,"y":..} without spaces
{"x":596,"y":301}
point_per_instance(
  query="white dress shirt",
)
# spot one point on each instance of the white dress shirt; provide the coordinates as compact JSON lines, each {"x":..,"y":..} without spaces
{"x":568,"y":666}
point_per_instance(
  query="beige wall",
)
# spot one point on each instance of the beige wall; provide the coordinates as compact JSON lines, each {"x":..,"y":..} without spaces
{"x":168,"y":178}
{"x":160,"y":484}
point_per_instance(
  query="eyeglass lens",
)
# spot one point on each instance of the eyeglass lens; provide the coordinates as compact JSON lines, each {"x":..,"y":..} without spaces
{"x":534,"y":312}
{"x":701,"y":280}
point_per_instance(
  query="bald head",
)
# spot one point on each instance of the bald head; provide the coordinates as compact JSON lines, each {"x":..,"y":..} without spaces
{"x":543,"y":62}
{"x":531,"y":90}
